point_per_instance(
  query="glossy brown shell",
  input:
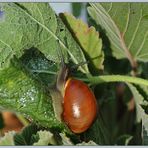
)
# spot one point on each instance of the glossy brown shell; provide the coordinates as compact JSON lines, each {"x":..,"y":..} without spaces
{"x":80,"y":106}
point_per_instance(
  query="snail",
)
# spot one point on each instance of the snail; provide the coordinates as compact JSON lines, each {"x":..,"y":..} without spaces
{"x":79,"y":106}
{"x":79,"y":102}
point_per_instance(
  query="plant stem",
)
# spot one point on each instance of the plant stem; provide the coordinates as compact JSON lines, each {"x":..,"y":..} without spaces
{"x":115,"y":78}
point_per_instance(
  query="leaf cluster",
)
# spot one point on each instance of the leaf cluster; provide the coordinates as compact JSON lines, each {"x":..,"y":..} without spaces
{"x":116,"y":43}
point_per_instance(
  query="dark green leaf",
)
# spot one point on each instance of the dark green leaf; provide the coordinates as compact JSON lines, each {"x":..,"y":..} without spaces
{"x":25,"y":137}
{"x":141,"y":115}
{"x":145,"y":136}
{"x":124,"y":140}
{"x":39,"y":67}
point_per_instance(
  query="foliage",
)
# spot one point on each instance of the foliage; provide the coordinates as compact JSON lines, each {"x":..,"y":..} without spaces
{"x":31,"y":27}
{"x":86,"y":36}
{"x":31,"y":38}
{"x":7,"y":139}
{"x":125,"y":28}
{"x":33,"y":135}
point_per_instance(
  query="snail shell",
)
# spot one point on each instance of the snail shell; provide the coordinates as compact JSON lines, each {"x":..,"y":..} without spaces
{"x":79,"y":106}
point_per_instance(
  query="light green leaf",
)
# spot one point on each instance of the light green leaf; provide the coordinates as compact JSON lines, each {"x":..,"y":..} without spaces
{"x":8,"y":139}
{"x":87,"y":143}
{"x":36,"y":25}
{"x":33,"y":135}
{"x":87,"y":37}
{"x":126,"y":27}
{"x":20,"y":93}
{"x":68,"y":142}
{"x":65,"y":139}
{"x":141,"y":115}
{"x":26,"y":26}
{"x":45,"y":138}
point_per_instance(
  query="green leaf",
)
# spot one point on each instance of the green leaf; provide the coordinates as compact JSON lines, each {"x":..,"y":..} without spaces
{"x":66,"y":140}
{"x":39,"y":67}
{"x":145,"y":136}
{"x":45,"y":72}
{"x":26,"y":136}
{"x":34,"y":135}
{"x":98,"y":132}
{"x":141,"y":115}
{"x":45,"y":138}
{"x":36,"y":25}
{"x":7,"y":140}
{"x":124,"y":140}
{"x":126,"y":27}
{"x":90,"y":143}
{"x":88,"y":39}
{"x":20,"y":93}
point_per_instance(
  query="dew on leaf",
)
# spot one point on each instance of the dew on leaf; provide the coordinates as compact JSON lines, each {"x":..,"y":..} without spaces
{"x":22,"y":101}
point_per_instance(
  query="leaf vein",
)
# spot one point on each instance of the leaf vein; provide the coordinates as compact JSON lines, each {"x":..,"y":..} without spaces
{"x":135,"y":32}
{"x":141,"y":46}
{"x":127,"y":22}
{"x":52,"y":34}
{"x":111,"y":5}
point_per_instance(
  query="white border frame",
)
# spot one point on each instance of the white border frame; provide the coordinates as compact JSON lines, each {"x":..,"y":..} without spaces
{"x":68,"y":1}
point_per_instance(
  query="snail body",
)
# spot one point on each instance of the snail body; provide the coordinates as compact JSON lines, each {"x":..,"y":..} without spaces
{"x":79,"y":103}
{"x":79,"y":106}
